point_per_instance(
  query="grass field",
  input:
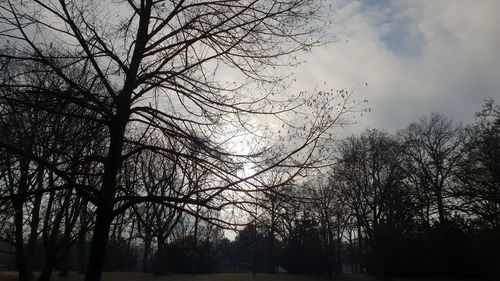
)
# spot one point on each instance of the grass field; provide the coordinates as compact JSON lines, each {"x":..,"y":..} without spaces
{"x":132,"y":276}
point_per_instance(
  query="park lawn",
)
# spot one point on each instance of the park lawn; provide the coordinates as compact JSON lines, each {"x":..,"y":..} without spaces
{"x":133,"y":276}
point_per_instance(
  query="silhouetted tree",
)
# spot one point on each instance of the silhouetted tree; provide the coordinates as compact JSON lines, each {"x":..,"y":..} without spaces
{"x":433,"y":145}
{"x":371,"y":175}
{"x":479,"y":168}
{"x":152,"y":77}
{"x":327,"y":203}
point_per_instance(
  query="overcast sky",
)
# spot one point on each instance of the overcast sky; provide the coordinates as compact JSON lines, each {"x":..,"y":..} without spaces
{"x":416,"y":56}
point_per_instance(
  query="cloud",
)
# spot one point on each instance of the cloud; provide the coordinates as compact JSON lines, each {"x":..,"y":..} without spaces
{"x":416,"y":56}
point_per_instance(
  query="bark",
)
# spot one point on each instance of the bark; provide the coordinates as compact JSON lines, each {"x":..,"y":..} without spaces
{"x":339,"y":252}
{"x":35,"y":221}
{"x":47,"y":270}
{"x":195,"y":234}
{"x":161,"y":268}
{"x":81,"y":256}
{"x":254,"y":251}
{"x":99,"y":244}
{"x":272,"y":243}
{"x":104,"y":210}
{"x":440,"y":205}
{"x":63,"y":267}
{"x":51,"y":235}
{"x":81,"y":239}
{"x":352,"y":254}
{"x":21,"y":263}
{"x":329,"y":259}
{"x":113,"y":162}
{"x":145,"y":256}
{"x":361,"y":268}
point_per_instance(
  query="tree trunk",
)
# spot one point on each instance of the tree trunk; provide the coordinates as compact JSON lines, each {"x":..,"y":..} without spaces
{"x":47,"y":271}
{"x":351,"y":251}
{"x":81,"y":239}
{"x":64,"y":267}
{"x":439,"y":197}
{"x":361,"y":268}
{"x":81,"y":256}
{"x":105,"y":203}
{"x":195,"y":238}
{"x":22,"y":266}
{"x":104,"y":218}
{"x":32,"y":240}
{"x":339,"y":252}
{"x":145,"y":256}
{"x":272,"y":243}
{"x":254,"y":251}
{"x":329,"y":261}
{"x":330,"y":249}
{"x":113,"y":162}
{"x":99,"y":244}
{"x":161,"y":258}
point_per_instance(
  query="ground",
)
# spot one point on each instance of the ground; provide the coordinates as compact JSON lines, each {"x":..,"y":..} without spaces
{"x":132,"y":276}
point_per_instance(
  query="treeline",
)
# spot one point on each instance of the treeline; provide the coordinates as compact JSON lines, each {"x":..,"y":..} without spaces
{"x":124,"y":122}
{"x":50,"y":169}
{"x":125,"y":145}
{"x":423,"y":202}
{"x":120,"y":125}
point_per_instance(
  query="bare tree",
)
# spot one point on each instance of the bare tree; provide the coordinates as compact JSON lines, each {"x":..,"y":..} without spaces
{"x":58,"y":232}
{"x":327,"y":200}
{"x":17,"y":127}
{"x":479,"y":167}
{"x":154,"y":75}
{"x":273,"y":202}
{"x":433,"y":146}
{"x":371,"y":175}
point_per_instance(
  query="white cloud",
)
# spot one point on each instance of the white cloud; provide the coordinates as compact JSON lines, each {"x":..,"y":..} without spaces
{"x":416,"y":56}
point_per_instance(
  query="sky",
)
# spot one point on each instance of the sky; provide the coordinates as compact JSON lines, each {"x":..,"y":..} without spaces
{"x":415,"y":56}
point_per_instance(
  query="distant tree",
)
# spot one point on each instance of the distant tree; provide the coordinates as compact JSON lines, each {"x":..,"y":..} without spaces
{"x":246,"y":246}
{"x":58,"y":230}
{"x":479,"y":166}
{"x":327,"y":202}
{"x":28,"y":185}
{"x":273,"y":203}
{"x":303,"y":249}
{"x":371,"y":175}
{"x":433,"y":146}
